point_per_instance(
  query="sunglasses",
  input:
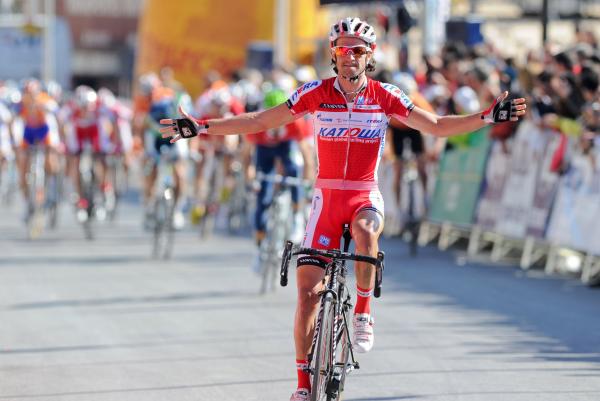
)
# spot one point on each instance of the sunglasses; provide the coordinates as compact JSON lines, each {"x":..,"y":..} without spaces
{"x":351,"y":50}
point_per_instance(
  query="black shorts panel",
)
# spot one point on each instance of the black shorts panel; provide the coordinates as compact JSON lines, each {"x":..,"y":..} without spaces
{"x":414,"y":136}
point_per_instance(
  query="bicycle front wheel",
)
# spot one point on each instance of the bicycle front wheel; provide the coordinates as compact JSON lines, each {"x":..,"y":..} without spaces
{"x":321,"y":364}
{"x":163,"y":228}
{"x":342,"y":365}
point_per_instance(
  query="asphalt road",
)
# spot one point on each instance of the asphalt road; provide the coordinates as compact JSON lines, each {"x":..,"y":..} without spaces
{"x":101,"y":321}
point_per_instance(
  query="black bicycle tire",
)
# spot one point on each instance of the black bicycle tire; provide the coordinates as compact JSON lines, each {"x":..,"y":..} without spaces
{"x":53,"y":216}
{"x":324,"y":343}
{"x":160,"y":226}
{"x":170,"y":234}
{"x":88,"y":185}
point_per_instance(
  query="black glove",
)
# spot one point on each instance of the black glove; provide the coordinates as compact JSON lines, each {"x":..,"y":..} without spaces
{"x":189,"y":128}
{"x":500,"y":111}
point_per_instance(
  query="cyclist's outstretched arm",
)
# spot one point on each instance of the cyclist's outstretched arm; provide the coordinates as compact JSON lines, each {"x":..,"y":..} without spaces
{"x":443,"y":126}
{"x":246,"y":123}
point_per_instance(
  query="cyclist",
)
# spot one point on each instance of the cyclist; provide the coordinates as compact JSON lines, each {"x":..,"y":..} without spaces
{"x":402,"y":133}
{"x":216,"y":102}
{"x":351,"y":113}
{"x":39,"y":127}
{"x":85,"y":126}
{"x":281,"y":145}
{"x":162,"y":102}
{"x":116,"y":117}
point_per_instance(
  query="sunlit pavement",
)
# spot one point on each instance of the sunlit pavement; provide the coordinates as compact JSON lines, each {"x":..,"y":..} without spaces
{"x":101,"y":320}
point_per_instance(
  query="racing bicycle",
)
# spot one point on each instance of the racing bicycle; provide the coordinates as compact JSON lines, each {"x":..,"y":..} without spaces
{"x":331,"y":357}
{"x":43,"y":193}
{"x":279,"y":227}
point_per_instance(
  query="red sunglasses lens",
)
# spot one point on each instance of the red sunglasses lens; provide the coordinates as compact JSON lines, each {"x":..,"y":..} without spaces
{"x":356,"y":50}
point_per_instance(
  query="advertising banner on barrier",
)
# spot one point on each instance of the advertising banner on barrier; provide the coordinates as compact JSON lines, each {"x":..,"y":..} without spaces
{"x":530,"y":186}
{"x":459,"y":182}
{"x":576,"y":212}
{"x":496,"y":174}
{"x":519,"y":186}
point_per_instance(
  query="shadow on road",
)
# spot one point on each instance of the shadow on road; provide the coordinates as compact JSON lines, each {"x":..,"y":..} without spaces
{"x":176,"y":297}
{"x":560,"y":312}
{"x":215,"y":339}
{"x":146,"y":389}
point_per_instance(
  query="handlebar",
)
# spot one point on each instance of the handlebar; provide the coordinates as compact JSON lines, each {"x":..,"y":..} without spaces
{"x":289,"y":251}
{"x":336,"y":254}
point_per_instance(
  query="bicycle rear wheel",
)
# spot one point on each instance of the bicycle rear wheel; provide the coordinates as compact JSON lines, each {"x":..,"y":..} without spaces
{"x":36,"y":178}
{"x":321,"y":364}
{"x":53,"y":196}
{"x":36,"y":219}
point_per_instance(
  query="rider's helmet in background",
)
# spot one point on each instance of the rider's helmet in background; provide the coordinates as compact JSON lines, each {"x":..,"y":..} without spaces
{"x":85,"y":97}
{"x":147,"y":83}
{"x":106,"y":97}
{"x":274,"y":98}
{"x":405,"y":82}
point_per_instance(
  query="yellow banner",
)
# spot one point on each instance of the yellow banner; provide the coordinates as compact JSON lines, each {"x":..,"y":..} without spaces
{"x":195,"y":36}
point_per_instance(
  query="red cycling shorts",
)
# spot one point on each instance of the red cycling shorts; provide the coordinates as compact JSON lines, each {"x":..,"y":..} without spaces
{"x":90,"y":134}
{"x":331,"y":209}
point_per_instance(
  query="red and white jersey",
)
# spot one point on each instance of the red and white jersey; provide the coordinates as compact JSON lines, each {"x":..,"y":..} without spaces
{"x":349,"y":137}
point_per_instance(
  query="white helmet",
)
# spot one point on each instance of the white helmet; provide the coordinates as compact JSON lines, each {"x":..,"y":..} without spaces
{"x":352,"y":27}
{"x":405,"y":82}
{"x":466,"y":99}
{"x":85,"y":96}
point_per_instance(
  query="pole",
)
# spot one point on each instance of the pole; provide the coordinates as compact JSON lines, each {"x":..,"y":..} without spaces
{"x":49,"y":45}
{"x":544,"y":21}
{"x":281,"y":32}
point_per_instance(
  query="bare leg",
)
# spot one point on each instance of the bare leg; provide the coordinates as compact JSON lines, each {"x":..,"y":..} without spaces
{"x":309,"y":283}
{"x":366,"y":228}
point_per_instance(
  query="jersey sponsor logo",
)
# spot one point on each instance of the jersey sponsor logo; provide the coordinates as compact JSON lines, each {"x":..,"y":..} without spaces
{"x":187,"y":133}
{"x":324,"y":119}
{"x":375,"y":107}
{"x":307,"y":87}
{"x":332,"y":106}
{"x":324,"y":240}
{"x":362,"y":100}
{"x":343,"y":132}
{"x":394,"y":90}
